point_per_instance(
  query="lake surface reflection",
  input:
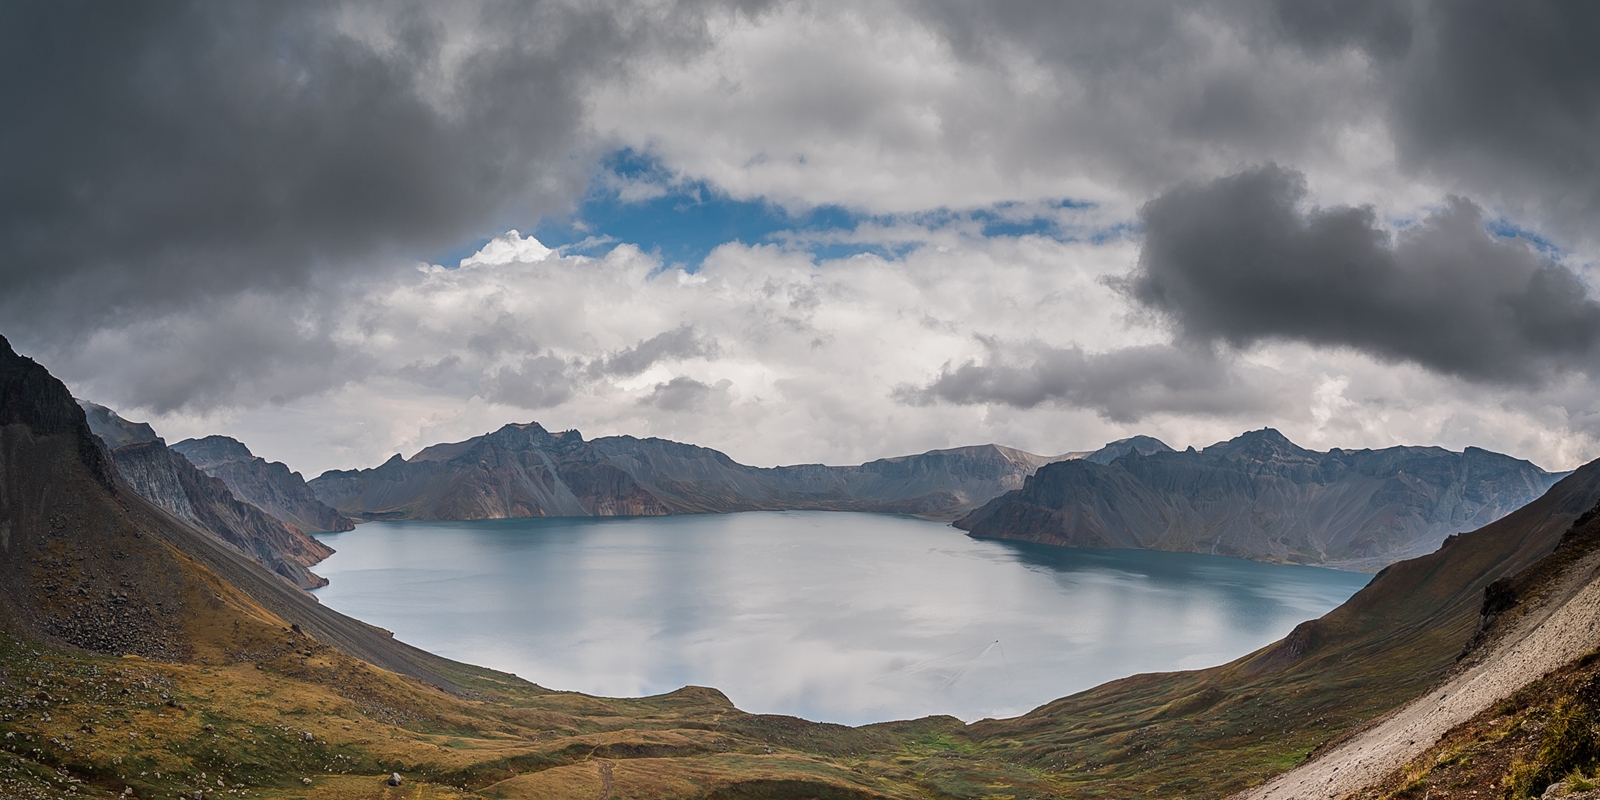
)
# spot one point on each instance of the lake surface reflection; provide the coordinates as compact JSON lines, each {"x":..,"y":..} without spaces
{"x":848,"y":618}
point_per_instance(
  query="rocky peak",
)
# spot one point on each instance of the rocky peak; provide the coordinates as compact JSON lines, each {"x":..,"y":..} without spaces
{"x":1263,"y":445}
{"x":31,"y":396}
{"x":113,"y":429}
{"x":213,"y":451}
{"x":1143,"y":445}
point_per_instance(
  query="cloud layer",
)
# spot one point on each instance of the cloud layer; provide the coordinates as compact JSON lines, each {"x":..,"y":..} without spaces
{"x":214,"y":214}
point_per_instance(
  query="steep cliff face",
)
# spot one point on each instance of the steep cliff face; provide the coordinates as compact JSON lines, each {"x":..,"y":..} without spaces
{"x":526,"y":471}
{"x":168,"y":480}
{"x":1260,"y":496}
{"x":268,"y":485}
{"x":517,"y":471}
{"x":165,"y":478}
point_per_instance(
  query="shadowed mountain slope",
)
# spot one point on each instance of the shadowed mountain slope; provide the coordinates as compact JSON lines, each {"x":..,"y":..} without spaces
{"x":167,"y":479}
{"x":90,"y":563}
{"x":527,"y":471}
{"x":268,"y":485}
{"x":1260,"y":496}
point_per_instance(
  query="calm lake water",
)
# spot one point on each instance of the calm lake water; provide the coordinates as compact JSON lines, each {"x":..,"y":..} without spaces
{"x":850,"y":618}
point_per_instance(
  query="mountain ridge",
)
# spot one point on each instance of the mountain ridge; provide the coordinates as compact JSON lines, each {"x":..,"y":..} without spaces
{"x":522,"y":469}
{"x":163,"y":476}
{"x":269,"y":485}
{"x":1261,"y":496}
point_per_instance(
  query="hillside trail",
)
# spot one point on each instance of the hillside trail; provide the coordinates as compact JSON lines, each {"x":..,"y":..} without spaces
{"x":1541,"y":642}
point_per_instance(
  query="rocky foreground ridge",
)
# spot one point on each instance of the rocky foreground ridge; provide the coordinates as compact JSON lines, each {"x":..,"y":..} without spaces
{"x":527,"y":471}
{"x":1260,"y":496}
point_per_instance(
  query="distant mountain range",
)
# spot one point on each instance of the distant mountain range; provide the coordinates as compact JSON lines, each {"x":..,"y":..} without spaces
{"x":527,"y":471}
{"x":1260,"y":496}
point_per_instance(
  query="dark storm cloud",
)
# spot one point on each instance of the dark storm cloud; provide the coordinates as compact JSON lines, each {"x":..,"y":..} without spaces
{"x":1496,"y":100}
{"x":685,"y":394}
{"x":161,"y":156}
{"x":1124,"y":385}
{"x":1493,"y":98}
{"x":1504,"y":98}
{"x":537,"y":382}
{"x":1239,"y":260}
{"x":1381,"y":27}
{"x":679,"y":343}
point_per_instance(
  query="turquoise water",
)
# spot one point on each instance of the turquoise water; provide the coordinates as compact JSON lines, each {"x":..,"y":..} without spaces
{"x":848,"y":618}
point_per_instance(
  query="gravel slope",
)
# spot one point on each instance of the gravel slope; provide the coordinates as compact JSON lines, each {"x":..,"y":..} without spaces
{"x":1565,"y":626}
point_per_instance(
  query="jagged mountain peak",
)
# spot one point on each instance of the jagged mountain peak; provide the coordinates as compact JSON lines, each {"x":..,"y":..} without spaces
{"x":269,"y":485}
{"x":1261,"y":496}
{"x":30,"y":395}
{"x":214,"y":449}
{"x":515,"y":436}
{"x":1143,"y":445}
{"x":113,"y":429}
{"x":1261,"y":444}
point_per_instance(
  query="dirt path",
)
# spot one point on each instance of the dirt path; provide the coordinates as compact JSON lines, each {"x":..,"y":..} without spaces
{"x":1564,"y":634}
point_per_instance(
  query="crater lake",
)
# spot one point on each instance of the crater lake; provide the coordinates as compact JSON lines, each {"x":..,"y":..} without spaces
{"x":836,"y":617}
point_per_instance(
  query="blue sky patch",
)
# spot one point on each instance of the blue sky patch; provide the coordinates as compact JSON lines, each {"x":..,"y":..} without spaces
{"x":633,"y":199}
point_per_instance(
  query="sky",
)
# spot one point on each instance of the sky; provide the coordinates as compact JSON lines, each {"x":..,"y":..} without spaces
{"x":811,"y":232}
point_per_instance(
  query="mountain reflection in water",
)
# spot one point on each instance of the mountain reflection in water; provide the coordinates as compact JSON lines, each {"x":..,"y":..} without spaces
{"x":850,"y":618}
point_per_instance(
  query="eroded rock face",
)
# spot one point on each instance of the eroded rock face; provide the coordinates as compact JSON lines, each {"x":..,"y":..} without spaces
{"x":164,"y":477}
{"x":167,"y":479}
{"x":268,"y":485}
{"x":114,"y":430}
{"x":527,"y":471}
{"x":1260,"y":496}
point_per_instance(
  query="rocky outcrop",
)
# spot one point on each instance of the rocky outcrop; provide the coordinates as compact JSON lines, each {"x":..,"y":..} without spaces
{"x":268,"y":485}
{"x":1262,"y":497}
{"x":1143,"y":445}
{"x":527,"y":471}
{"x":114,"y":430}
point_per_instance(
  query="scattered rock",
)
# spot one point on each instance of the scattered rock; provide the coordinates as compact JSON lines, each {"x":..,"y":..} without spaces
{"x":309,"y":736}
{"x":394,"y":779}
{"x":306,"y":781}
